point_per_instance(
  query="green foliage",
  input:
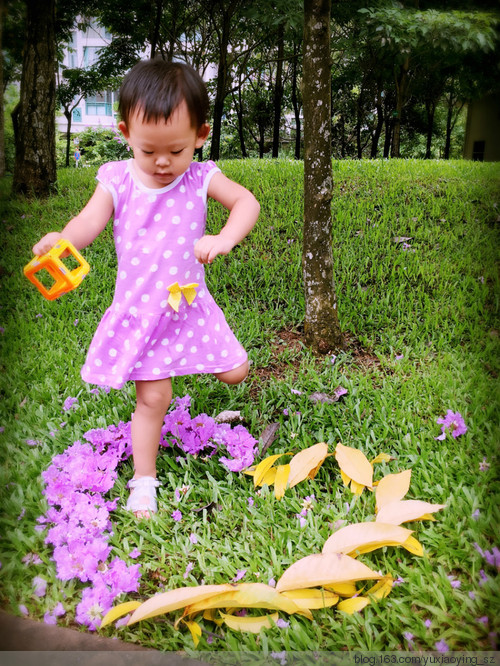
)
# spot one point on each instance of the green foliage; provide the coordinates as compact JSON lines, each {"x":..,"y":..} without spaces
{"x":99,"y":145}
{"x":423,"y":329}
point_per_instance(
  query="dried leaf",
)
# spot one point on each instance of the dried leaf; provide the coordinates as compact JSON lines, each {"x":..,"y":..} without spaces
{"x":119,"y":611}
{"x":195,"y":630}
{"x":304,"y":462}
{"x":392,"y":487}
{"x":361,"y":538}
{"x":324,"y":569}
{"x":248,"y":595}
{"x":312,"y":598}
{"x":354,"y":464}
{"x":353,"y":605}
{"x":228,"y":416}
{"x":268,"y":436}
{"x":342,"y":589}
{"x":281,"y":480}
{"x":403,"y":511}
{"x":381,"y":588}
{"x":175,"y":599}
{"x":382,"y":457}
{"x":251,"y":624}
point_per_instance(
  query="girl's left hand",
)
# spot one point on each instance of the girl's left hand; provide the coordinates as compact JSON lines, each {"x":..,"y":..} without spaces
{"x":208,"y":247}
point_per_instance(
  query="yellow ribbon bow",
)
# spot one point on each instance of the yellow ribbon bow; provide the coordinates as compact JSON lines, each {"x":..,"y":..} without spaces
{"x":176,"y":291}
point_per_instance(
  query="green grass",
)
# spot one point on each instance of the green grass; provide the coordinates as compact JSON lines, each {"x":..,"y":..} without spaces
{"x":436,"y":304}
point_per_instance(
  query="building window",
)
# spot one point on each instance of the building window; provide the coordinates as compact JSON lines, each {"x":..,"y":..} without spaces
{"x":478,"y":151}
{"x":90,"y":55}
{"x":99,"y":105}
{"x":77,"y":115}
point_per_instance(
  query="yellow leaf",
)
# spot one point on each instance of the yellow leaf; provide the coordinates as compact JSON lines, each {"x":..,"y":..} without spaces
{"x":381,"y":588}
{"x":413,"y":546}
{"x":268,"y":478}
{"x":119,"y":611}
{"x":403,"y":511}
{"x":312,"y":598}
{"x":342,"y":589}
{"x":175,"y":599}
{"x":382,"y":457}
{"x":249,"y":595}
{"x":354,"y":464}
{"x":324,"y":569}
{"x":249,"y":470}
{"x":353,"y":605}
{"x":357,"y":488}
{"x":345,"y":478}
{"x":364,"y":537}
{"x":195,"y":630}
{"x":263,"y":467}
{"x":392,"y":487}
{"x":281,"y":479}
{"x":304,"y":462}
{"x":251,"y":624}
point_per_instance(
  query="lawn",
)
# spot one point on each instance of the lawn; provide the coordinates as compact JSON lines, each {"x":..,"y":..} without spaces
{"x":416,"y":261}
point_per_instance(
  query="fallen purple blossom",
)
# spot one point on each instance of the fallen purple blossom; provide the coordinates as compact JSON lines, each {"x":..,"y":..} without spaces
{"x":454,"y":422}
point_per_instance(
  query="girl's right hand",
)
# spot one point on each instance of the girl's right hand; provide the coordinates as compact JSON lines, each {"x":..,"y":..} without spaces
{"x":47,"y":243}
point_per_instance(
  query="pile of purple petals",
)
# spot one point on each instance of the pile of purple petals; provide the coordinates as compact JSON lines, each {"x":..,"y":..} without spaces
{"x":78,"y":518}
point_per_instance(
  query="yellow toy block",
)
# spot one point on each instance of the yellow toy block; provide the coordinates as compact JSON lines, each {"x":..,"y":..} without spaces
{"x":65,"y":279}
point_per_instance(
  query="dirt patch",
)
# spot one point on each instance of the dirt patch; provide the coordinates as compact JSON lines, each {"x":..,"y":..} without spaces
{"x":286,"y":357}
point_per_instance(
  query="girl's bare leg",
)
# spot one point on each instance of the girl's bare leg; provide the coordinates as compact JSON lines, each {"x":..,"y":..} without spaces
{"x":235,"y":376}
{"x":153,"y":399}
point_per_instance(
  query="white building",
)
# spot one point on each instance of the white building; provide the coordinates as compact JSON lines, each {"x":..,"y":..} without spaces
{"x":82,"y":52}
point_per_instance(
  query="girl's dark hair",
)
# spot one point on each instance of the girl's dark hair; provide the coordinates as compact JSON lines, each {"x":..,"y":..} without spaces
{"x":156,"y":87}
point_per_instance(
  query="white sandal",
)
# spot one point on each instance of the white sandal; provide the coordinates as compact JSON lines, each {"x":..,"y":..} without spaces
{"x":143,"y":495}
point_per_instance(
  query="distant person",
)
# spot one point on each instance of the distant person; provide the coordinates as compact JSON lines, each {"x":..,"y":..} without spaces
{"x":77,"y":156}
{"x":163,"y":322}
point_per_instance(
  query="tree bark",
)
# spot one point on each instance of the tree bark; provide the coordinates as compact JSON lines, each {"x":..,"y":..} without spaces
{"x":35,"y":166}
{"x":321,"y":326}
{"x":278,"y":92}
{"x":2,"y":117}
{"x":401,"y":89}
{"x":295,"y":103}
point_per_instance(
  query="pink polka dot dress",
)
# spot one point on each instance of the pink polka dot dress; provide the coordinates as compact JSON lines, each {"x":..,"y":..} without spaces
{"x":141,"y":335}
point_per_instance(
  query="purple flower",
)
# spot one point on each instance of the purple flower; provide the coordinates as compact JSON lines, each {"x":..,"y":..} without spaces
{"x":441,"y":646}
{"x":271,"y":582}
{"x":280,"y":656}
{"x":282,"y":624}
{"x":476,"y":514}
{"x":189,"y":568}
{"x":69,"y":403}
{"x":23,"y":610}
{"x":193,"y":538}
{"x":484,"y":466}
{"x":250,"y":501}
{"x":454,"y":582}
{"x":408,"y":636}
{"x":399,"y":357}
{"x":177,"y":515}
{"x":240,"y":573}
{"x":454,"y":422}
{"x":134,"y":553}
{"x":428,"y":623}
{"x":40,"y":585}
{"x":484,"y":620}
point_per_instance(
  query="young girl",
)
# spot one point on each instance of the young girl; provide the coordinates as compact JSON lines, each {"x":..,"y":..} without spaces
{"x":162,"y":322}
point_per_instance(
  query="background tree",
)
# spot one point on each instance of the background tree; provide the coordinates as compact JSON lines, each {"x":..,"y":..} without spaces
{"x":321,"y":325}
{"x":35,"y":165}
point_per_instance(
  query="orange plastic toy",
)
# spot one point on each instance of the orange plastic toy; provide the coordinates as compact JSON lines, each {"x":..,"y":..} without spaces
{"x":65,"y":279}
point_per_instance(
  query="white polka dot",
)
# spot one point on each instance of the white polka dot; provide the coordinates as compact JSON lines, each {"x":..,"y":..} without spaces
{"x":125,"y":323}
{"x":157,"y":217}
{"x":139,"y":211}
{"x":164,"y":303}
{"x":217,"y":327}
{"x":111,"y":334}
{"x":193,"y":350}
{"x":145,"y":323}
{"x":159,"y":284}
{"x":138,"y":364}
{"x":161,"y":235}
{"x":142,"y":232}
{"x":179,"y":348}
{"x":113,"y":352}
{"x":165,"y":342}
{"x":200,"y":367}
{"x":156,"y":371}
{"x":151,"y":353}
{"x":205,"y":338}
{"x":133,"y":310}
{"x":210,"y":357}
{"x":190,"y":334}
{"x":167,"y":360}
{"x":173,"y":270}
{"x":145,"y":298}
{"x":190,"y":205}
{"x":167,"y":254}
{"x":170,"y":203}
{"x":145,"y":250}
{"x":183,"y":361}
{"x":224,"y":353}
{"x":193,"y":226}
{"x":98,"y":362}
{"x":123,"y":275}
{"x":118,"y":240}
{"x":182,"y":188}
{"x":154,"y":268}
{"x":176,"y":219}
{"x":181,"y":240}
{"x":186,"y":255}
{"x":139,"y":281}
{"x":135,"y":261}
{"x":201,"y":322}
{"x":128,"y":245}
{"x":128,"y":294}
{"x":199,"y":192}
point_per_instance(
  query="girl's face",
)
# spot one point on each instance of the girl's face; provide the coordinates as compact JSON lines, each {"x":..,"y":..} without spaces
{"x":163,"y":150}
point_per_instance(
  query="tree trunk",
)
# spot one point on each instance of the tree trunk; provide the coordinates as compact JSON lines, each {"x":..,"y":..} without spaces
{"x":321,"y":326}
{"x":68,"y":116}
{"x":430,"y":107}
{"x":35,"y":167}
{"x":2,"y":117}
{"x":378,"y":129}
{"x":401,"y":88}
{"x":278,"y":92}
